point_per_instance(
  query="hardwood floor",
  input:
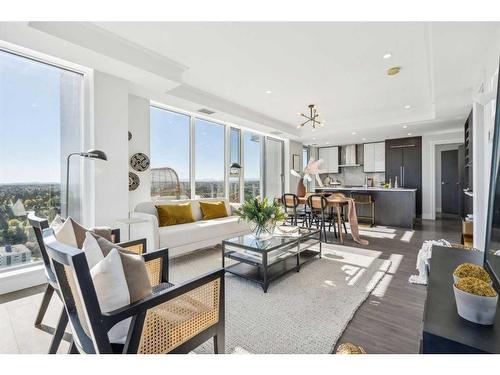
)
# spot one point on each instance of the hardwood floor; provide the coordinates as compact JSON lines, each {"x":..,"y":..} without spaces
{"x":389,"y":321}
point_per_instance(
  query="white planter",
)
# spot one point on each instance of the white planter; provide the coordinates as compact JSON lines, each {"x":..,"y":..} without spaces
{"x":455,"y":280}
{"x":477,"y":309}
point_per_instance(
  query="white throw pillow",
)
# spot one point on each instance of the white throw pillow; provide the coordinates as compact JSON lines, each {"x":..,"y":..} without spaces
{"x":57,"y":222}
{"x":112,"y":291}
{"x":92,"y":250}
{"x":66,"y":234}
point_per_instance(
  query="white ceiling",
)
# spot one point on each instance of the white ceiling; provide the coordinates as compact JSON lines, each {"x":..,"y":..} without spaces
{"x":337,"y":66}
{"x":228,"y":67}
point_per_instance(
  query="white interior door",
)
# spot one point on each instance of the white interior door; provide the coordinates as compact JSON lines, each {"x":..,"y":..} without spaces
{"x":273,"y":168}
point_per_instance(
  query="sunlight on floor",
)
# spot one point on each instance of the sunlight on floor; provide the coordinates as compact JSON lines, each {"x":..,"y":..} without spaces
{"x":407,"y":235}
{"x":375,"y":232}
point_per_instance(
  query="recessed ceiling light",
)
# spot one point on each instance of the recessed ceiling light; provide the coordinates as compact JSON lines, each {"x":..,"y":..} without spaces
{"x":405,"y":126}
{"x":393,"y":71}
{"x":353,"y":133}
{"x":327,"y":143}
{"x":407,"y":106}
{"x":314,"y":139}
{"x":364,"y":139}
{"x":268,"y":92}
{"x":409,"y":133}
{"x":387,"y":56}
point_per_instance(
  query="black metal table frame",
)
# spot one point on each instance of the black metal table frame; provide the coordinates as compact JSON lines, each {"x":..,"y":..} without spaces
{"x":263,"y":266}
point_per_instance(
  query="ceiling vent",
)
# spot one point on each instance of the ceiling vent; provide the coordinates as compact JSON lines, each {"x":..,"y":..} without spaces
{"x":206,"y":111}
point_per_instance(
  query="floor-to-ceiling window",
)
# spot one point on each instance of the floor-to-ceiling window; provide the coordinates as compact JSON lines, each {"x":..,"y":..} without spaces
{"x":252,"y":156}
{"x":209,"y":159}
{"x":274,"y":178}
{"x":41,"y":116}
{"x":235,"y":161}
{"x":170,"y":153}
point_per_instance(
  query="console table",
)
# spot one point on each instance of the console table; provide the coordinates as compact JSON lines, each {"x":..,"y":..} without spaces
{"x":444,"y":330}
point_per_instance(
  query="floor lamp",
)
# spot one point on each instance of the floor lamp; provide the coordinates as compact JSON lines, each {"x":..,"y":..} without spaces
{"x":91,"y":154}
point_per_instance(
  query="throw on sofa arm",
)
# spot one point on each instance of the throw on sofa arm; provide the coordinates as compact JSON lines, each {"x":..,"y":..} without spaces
{"x":147,"y":229}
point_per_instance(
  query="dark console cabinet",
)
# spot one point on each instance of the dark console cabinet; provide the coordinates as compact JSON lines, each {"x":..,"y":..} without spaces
{"x":444,"y":331}
{"x":403,"y":159}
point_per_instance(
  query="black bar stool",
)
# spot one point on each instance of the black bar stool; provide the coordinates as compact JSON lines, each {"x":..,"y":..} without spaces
{"x":365,"y":199}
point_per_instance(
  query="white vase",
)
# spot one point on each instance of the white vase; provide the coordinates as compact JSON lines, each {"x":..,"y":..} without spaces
{"x":476,"y":309}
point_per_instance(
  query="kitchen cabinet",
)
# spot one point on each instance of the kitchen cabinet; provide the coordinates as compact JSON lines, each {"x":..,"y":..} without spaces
{"x":403,"y":159}
{"x":374,"y":157}
{"x":330,"y":156}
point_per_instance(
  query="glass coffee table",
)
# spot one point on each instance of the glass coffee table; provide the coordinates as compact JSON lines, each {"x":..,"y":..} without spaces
{"x":263,"y":261}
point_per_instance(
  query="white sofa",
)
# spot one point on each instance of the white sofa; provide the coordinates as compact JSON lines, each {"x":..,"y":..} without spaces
{"x":184,"y":238}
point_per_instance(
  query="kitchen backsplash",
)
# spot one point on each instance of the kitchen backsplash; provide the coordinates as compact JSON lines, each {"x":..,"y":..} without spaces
{"x":354,"y":176}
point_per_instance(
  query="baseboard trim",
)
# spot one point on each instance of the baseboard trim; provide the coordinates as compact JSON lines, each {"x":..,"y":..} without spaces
{"x":22,"y":278}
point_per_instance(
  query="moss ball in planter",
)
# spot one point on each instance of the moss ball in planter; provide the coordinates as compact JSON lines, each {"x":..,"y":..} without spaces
{"x":471,"y":270}
{"x":475,"y":286}
{"x":476,"y":300}
{"x":348,"y":348}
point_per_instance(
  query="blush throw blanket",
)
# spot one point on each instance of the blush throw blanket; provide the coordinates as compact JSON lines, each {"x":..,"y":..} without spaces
{"x":353,"y":223}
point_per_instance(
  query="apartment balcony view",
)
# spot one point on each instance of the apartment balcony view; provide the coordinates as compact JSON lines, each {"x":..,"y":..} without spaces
{"x":237,"y":190}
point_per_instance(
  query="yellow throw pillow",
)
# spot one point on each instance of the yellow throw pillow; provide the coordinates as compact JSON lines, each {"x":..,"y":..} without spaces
{"x":213,"y":210}
{"x":172,"y":214}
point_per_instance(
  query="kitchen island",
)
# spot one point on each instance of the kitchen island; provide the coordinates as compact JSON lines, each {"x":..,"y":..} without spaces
{"x":395,"y":207}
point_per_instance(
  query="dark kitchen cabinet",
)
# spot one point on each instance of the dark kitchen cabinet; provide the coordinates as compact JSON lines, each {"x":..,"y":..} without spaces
{"x":403,"y":159}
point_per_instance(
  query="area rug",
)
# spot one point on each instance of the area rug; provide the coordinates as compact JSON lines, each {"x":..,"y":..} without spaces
{"x":303,"y":312}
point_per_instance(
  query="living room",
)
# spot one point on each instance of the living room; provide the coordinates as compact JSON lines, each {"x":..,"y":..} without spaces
{"x":294,"y":187}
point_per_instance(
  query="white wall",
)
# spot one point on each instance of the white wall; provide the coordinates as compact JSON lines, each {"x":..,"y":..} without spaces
{"x":138,"y":125}
{"x":109,"y":134}
{"x":439,"y":150}
{"x":429,"y":143}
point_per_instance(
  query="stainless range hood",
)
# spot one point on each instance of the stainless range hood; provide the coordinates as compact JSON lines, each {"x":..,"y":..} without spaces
{"x":350,"y":157}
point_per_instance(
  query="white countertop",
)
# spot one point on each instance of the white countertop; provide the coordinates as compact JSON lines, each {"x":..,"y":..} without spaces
{"x":360,"y":188}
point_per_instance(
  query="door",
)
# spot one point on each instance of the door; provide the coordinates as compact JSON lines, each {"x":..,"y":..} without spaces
{"x":393,"y":162}
{"x":449,"y":182}
{"x":274,"y":177}
{"x":412,"y":173}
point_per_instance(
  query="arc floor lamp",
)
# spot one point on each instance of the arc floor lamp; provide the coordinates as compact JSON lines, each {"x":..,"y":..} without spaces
{"x":90,"y":154}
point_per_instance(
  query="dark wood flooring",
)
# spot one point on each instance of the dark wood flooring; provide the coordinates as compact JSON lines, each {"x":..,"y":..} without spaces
{"x":390,"y":320}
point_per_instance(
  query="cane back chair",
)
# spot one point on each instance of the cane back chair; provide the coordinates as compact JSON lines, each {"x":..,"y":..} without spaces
{"x":294,"y":213}
{"x":154,"y":266}
{"x":321,"y":215}
{"x":160,"y":323}
{"x":342,"y":213}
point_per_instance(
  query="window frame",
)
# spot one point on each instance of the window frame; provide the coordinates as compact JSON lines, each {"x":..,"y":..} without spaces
{"x":27,"y":275}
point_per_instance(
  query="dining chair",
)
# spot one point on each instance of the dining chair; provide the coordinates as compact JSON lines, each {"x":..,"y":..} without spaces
{"x":294,"y":214}
{"x":342,"y":212}
{"x":321,"y":215}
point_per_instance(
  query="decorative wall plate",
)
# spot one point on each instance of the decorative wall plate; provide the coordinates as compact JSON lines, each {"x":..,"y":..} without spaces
{"x":133,"y":181}
{"x":139,"y":162}
{"x":129,"y":136}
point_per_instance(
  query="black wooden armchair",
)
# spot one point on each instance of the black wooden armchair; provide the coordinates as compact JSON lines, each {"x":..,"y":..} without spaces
{"x":157,"y":271}
{"x":161,"y":322}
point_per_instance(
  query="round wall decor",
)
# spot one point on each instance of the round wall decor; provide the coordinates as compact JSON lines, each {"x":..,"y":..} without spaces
{"x":133,"y":181}
{"x":139,"y":162}
{"x":129,"y":136}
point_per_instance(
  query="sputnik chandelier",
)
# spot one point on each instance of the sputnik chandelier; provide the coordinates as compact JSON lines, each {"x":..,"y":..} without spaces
{"x":313,"y":118}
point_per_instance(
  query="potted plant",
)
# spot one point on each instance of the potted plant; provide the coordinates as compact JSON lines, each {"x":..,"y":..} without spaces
{"x":476,"y":300}
{"x":261,"y":215}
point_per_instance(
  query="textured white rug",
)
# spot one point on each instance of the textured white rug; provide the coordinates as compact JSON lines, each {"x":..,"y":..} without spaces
{"x":303,"y":312}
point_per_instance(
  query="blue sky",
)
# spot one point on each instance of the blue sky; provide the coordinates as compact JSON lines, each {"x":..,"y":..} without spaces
{"x":170,"y":147}
{"x":29,"y":121}
{"x":30,"y":145}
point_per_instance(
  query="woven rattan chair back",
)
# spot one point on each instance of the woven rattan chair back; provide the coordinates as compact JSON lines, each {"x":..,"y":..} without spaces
{"x":165,"y":183}
{"x":317,"y":202}
{"x":338,"y":196}
{"x":79,"y":295}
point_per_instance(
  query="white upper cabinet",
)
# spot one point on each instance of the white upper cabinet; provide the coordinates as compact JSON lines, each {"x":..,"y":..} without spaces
{"x":374,"y":157}
{"x":330,"y":156}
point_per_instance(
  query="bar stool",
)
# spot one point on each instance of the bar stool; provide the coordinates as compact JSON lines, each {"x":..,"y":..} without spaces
{"x":294,"y":214}
{"x":365,"y":199}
